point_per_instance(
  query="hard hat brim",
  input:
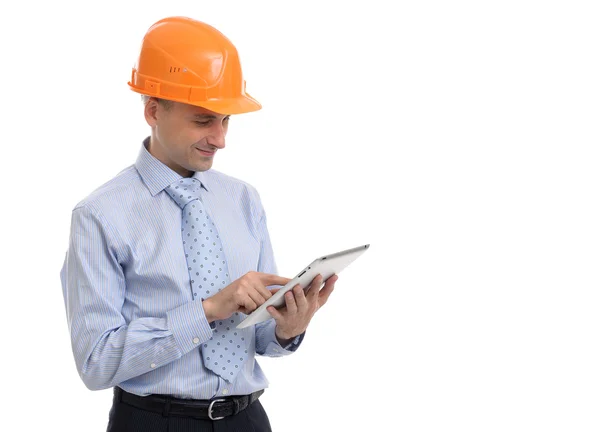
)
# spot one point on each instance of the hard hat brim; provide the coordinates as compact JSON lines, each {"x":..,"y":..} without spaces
{"x":239,"y":105}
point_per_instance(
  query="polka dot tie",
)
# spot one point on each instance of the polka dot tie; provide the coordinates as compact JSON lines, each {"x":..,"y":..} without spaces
{"x":226,"y":351}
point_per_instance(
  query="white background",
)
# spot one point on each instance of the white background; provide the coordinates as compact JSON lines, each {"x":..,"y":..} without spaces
{"x":460,"y":139}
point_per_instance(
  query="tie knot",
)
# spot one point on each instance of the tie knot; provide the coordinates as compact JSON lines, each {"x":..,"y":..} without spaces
{"x":184,"y":190}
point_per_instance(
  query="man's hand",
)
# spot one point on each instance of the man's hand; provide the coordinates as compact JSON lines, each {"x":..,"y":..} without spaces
{"x":300,"y":308}
{"x":242,"y":295}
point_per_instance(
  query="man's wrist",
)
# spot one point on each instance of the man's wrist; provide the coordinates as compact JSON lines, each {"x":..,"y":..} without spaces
{"x":208,"y":310}
{"x":282,"y":340}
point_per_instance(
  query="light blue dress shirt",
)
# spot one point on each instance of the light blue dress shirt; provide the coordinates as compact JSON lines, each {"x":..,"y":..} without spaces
{"x":131,"y":315}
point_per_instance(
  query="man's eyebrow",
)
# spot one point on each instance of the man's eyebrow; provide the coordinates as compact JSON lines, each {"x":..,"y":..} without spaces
{"x":205,"y":116}
{"x":208,"y":116}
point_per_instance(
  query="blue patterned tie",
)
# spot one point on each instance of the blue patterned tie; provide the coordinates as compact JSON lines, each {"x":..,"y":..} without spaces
{"x":225,"y":352}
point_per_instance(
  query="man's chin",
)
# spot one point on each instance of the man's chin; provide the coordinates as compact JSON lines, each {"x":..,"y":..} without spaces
{"x":203,"y":167}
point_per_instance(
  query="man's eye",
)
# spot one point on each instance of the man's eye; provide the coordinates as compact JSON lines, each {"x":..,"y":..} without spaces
{"x":209,"y":122}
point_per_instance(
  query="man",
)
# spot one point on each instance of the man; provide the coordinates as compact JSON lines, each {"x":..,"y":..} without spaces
{"x":165,"y":259}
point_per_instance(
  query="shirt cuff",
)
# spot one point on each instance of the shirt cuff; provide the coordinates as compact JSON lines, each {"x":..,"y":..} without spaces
{"x":293,"y":344}
{"x":189,"y":326}
{"x":272,"y":347}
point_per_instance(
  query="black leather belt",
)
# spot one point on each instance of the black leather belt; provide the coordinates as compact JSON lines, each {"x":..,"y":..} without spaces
{"x":214,"y":409}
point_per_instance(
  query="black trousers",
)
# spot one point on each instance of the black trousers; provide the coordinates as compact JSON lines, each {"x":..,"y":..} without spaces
{"x":127,"y":418}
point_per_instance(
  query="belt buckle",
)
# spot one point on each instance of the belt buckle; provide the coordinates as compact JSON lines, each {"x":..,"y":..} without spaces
{"x":210,"y":407}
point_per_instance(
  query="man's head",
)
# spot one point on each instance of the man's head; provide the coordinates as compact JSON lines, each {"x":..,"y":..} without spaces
{"x":180,"y":131}
{"x":190,"y":76}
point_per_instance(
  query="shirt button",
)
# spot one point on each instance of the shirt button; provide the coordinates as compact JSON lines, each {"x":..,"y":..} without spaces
{"x":225,"y":391}
{"x":153,"y":365}
{"x":196,"y":340}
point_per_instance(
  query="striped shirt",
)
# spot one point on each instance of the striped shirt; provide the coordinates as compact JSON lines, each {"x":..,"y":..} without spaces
{"x":131,"y":314}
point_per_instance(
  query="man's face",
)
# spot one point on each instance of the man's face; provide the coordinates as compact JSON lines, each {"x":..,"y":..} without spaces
{"x":181,"y":132}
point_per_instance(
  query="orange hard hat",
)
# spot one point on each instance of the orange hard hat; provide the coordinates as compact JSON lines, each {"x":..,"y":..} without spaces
{"x":188,"y":61}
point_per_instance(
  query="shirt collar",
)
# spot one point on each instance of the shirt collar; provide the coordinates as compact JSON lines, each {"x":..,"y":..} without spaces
{"x":156,"y":174}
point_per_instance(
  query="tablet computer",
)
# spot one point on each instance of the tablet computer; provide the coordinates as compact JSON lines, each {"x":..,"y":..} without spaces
{"x":326,"y":266}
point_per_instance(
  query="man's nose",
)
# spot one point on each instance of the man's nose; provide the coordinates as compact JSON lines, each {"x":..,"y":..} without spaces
{"x":217,"y":136}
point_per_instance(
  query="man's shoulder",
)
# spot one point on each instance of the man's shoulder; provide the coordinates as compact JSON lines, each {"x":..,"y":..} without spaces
{"x":228,"y":180}
{"x":238,"y":190}
{"x":117,"y":189}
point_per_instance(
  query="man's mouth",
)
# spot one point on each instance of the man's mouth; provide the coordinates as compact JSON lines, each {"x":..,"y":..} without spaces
{"x":205,"y":152}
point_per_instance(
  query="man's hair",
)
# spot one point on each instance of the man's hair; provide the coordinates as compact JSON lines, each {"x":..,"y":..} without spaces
{"x":167,"y":104}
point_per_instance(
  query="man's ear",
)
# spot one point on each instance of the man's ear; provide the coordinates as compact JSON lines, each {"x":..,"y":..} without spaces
{"x":150,"y":111}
